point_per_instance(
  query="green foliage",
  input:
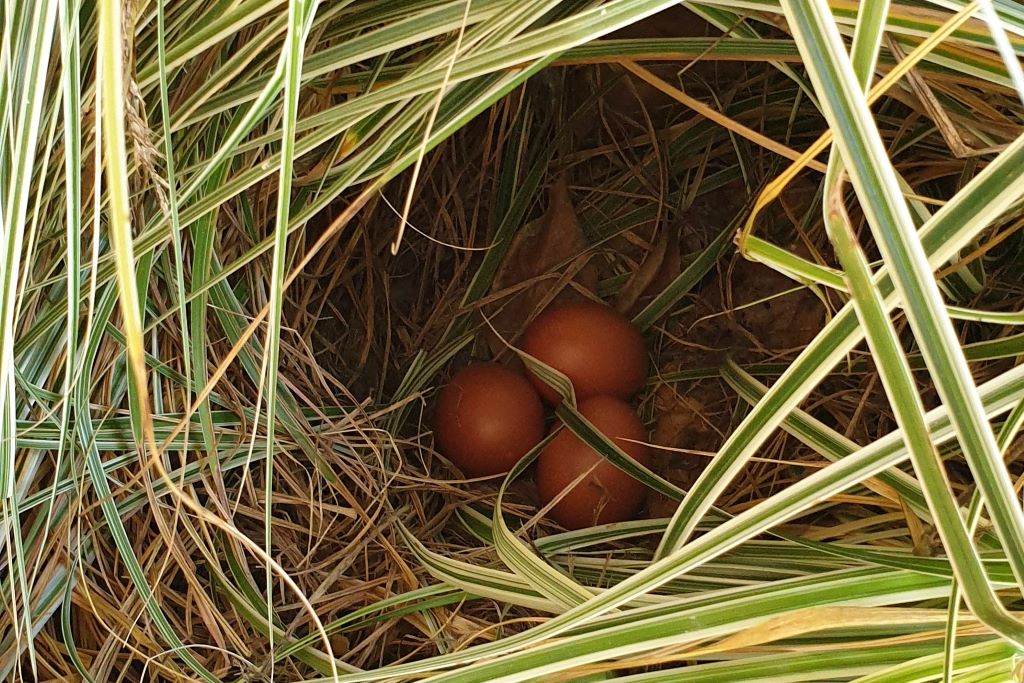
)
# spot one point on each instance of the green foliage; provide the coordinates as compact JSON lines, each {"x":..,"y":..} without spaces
{"x":163,"y":168}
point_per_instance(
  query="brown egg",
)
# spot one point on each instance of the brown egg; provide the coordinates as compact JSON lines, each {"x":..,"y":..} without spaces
{"x":487,"y":418}
{"x":607,"y":494}
{"x":598,"y":349}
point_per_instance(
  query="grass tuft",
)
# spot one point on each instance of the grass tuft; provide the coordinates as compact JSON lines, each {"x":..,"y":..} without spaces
{"x":244,"y":242}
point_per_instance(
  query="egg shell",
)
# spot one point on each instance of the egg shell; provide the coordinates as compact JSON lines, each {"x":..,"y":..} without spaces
{"x":598,"y":349}
{"x":607,"y":494}
{"x":487,"y":418}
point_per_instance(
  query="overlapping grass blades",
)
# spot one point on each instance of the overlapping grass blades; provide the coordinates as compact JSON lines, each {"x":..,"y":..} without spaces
{"x":125,"y":418}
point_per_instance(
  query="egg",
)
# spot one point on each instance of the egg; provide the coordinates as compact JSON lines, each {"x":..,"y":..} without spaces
{"x":607,"y":494}
{"x":598,"y":349}
{"x":487,"y":418}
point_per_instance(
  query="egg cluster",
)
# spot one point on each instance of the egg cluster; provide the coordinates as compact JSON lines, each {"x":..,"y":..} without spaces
{"x":489,"y":416}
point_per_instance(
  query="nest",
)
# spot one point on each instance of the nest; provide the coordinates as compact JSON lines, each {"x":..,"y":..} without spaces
{"x":597,"y":180}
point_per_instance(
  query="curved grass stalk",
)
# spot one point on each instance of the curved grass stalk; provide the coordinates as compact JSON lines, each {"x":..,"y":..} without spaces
{"x":772,"y":191}
{"x":803,"y":270}
{"x":825,"y":440}
{"x":300,"y":15}
{"x":906,"y":18}
{"x":557,"y":587}
{"x":990,"y":193}
{"x":22,"y":120}
{"x":1000,"y":395}
{"x":646,"y":629}
{"x":872,"y":663}
{"x":110,"y":74}
{"x":1007,"y":433}
{"x":895,"y":372}
{"x":114,"y":136}
{"x":891,"y":223}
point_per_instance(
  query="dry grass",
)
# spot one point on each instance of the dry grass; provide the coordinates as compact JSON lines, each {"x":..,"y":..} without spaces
{"x":357,"y":318}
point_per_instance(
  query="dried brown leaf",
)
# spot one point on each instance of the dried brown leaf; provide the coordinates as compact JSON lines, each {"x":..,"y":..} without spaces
{"x":529,"y":267}
{"x":658,"y":270}
{"x":643,"y":276}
